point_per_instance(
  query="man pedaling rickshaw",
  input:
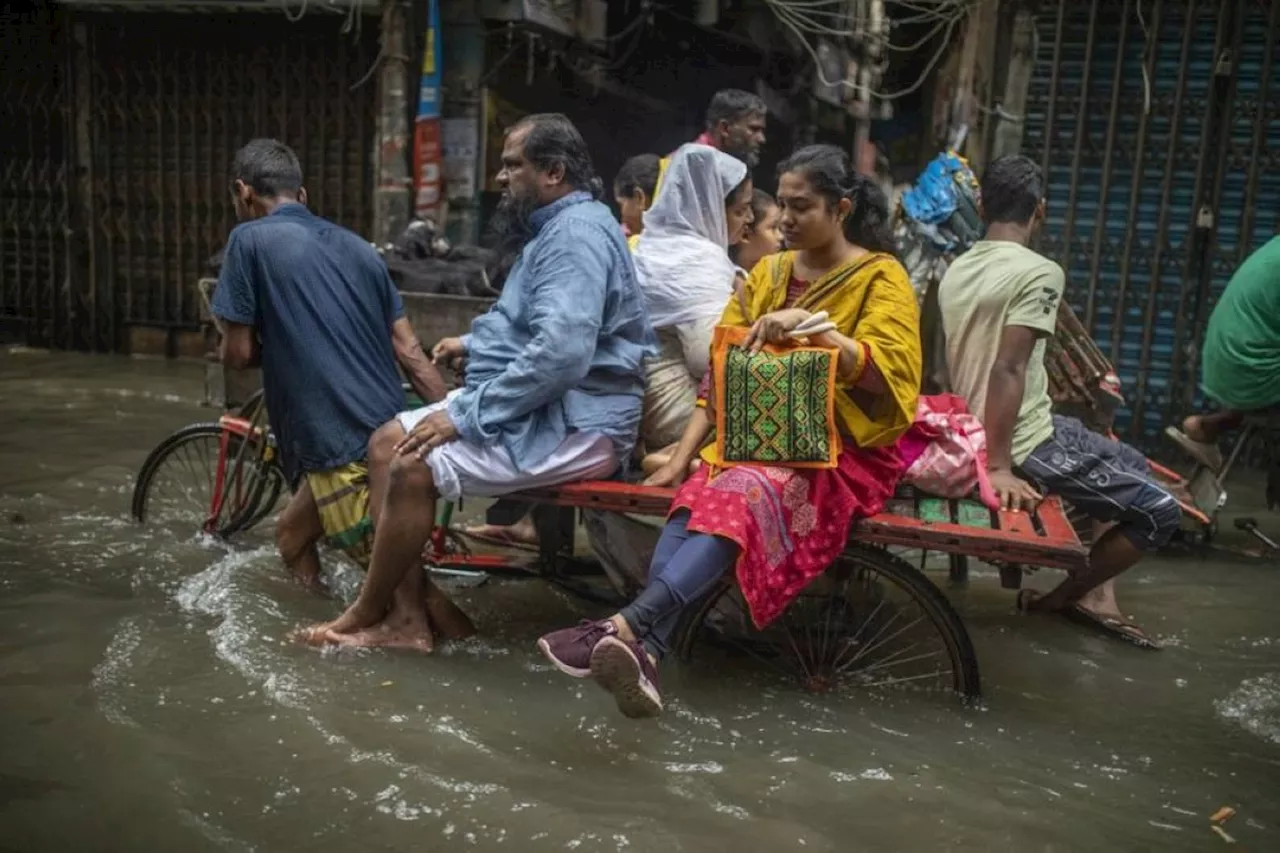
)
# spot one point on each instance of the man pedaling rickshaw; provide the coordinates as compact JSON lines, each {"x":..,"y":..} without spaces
{"x":313,"y":304}
{"x":1240,"y":367}
{"x":553,"y":386}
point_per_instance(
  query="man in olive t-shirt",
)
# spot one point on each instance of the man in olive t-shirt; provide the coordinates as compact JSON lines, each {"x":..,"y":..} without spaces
{"x":996,"y":284}
{"x":999,"y":302}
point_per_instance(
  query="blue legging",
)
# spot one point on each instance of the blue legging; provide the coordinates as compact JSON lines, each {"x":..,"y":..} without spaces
{"x":685,"y":566}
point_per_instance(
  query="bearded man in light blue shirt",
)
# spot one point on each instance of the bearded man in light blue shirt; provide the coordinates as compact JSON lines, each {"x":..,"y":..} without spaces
{"x":553,"y":391}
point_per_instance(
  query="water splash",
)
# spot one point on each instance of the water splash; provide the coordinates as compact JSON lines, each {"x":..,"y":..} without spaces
{"x":1254,"y":706}
{"x":111,"y":677}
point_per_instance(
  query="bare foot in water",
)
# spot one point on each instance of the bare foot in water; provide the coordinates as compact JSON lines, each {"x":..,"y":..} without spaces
{"x":353,"y":620}
{"x":311,"y":582}
{"x":409,"y":634}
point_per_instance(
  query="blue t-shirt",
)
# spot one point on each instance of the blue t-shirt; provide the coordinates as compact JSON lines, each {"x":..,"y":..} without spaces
{"x":323,"y":305}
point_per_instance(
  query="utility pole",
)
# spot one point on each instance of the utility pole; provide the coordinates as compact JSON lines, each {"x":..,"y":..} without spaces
{"x":1007,"y":138}
{"x":974,"y":79}
{"x":867,"y":17}
{"x":464,"y":96}
{"x":393,"y":192}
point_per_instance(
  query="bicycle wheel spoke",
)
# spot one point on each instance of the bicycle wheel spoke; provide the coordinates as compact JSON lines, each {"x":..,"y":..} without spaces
{"x":871,"y":621}
{"x":180,"y":482}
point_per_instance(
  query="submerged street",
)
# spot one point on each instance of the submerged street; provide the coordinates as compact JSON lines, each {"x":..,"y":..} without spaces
{"x":154,"y":701}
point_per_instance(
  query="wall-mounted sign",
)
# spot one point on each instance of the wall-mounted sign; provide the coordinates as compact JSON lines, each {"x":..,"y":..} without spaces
{"x":460,"y":145}
{"x":428,"y":181}
{"x":429,"y":87}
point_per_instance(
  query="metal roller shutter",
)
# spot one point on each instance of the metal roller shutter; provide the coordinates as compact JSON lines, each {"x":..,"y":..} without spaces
{"x":1155,"y":121}
{"x":118,"y":141}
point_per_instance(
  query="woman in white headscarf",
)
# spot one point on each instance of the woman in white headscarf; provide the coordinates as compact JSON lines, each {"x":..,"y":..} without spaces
{"x":686,"y":276}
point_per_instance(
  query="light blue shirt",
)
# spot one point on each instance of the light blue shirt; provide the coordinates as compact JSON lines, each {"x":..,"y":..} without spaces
{"x":562,"y":349}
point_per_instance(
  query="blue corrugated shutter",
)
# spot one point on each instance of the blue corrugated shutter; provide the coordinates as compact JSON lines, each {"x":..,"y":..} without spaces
{"x":1131,"y":160}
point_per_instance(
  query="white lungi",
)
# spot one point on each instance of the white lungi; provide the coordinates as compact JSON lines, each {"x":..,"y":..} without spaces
{"x":460,"y":468}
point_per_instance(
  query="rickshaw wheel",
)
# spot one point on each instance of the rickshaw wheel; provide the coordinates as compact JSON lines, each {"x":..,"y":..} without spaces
{"x":872,"y":620}
{"x":176,"y":481}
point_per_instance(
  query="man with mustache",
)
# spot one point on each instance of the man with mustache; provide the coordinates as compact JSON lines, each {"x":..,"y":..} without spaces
{"x":553,"y":388}
{"x":735,"y":125}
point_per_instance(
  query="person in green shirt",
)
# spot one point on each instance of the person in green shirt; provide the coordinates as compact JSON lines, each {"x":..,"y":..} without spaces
{"x":1240,"y":367}
{"x":999,"y":303}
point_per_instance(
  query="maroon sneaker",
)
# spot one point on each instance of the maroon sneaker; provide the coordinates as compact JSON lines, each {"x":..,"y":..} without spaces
{"x":570,"y":648}
{"x":624,"y":669}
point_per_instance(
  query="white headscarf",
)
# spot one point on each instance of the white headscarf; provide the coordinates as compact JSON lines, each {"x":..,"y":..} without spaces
{"x":682,"y":256}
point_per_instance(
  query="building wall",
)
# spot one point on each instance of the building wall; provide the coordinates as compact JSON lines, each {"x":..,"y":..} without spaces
{"x":1158,"y":125}
{"x":119,"y":130}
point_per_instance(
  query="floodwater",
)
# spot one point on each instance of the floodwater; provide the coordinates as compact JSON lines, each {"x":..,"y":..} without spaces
{"x":151,"y":700}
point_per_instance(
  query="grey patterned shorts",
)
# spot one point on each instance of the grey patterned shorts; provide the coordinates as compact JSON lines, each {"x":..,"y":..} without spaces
{"x":1106,"y":480}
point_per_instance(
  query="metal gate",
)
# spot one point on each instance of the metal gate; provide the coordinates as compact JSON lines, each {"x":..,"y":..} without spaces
{"x":1157,"y":124}
{"x":117,"y":190}
{"x":35,"y":295}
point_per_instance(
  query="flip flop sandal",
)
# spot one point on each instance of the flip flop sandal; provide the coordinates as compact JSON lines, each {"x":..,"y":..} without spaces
{"x":1206,"y":454}
{"x":1112,"y":626}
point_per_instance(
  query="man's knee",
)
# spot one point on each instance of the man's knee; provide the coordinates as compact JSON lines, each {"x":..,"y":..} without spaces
{"x":1168,"y":518}
{"x":382,"y":444}
{"x":1132,"y":459}
{"x":1153,"y":518}
{"x":409,"y":476}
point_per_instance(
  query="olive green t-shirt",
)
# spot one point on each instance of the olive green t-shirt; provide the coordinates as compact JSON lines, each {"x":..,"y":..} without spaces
{"x":993,"y":285}
{"x":1241,"y":355}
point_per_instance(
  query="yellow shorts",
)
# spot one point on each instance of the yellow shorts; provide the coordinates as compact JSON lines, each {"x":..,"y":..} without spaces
{"x":342,"y":497}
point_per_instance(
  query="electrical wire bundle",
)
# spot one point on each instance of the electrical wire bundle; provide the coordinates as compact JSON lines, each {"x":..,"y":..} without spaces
{"x":831,"y":18}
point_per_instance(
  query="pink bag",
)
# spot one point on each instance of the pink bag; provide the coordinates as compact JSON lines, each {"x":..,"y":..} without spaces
{"x":946,"y":450}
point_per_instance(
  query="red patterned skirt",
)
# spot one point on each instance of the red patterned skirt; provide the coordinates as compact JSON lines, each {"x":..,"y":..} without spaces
{"x":790,"y":524}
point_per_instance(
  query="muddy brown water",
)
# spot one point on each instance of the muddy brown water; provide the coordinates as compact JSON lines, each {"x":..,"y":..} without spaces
{"x":151,"y":700}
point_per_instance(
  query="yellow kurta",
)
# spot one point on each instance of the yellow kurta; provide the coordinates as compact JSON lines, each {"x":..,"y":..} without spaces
{"x":870,"y":300}
{"x":662,"y":173}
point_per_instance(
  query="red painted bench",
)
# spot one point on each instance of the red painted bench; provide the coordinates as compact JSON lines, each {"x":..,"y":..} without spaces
{"x":1044,"y":538}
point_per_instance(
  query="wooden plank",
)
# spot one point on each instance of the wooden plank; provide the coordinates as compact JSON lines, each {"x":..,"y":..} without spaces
{"x":973,"y":514}
{"x":955,"y":541}
{"x":1021,"y":544}
{"x":605,"y":495}
{"x":1018,"y":522}
{"x":904,"y":507}
{"x":1053,"y":518}
{"x":903,"y":503}
{"x":935,"y":510}
{"x":992,"y":545}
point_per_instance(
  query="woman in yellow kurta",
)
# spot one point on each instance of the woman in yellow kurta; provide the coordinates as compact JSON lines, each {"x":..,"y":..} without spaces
{"x":781,"y":527}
